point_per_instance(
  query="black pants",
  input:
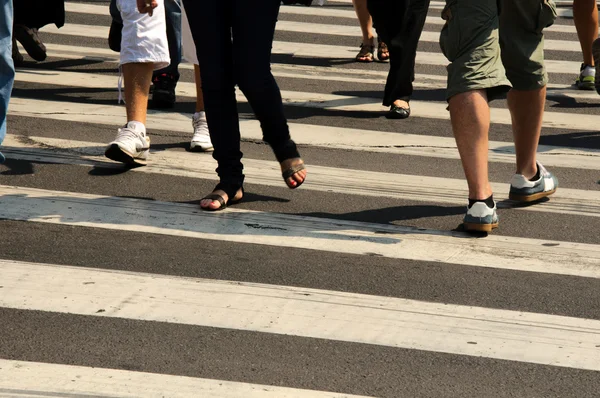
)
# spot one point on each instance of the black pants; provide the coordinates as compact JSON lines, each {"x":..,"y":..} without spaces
{"x":233,"y":41}
{"x":399,"y":24}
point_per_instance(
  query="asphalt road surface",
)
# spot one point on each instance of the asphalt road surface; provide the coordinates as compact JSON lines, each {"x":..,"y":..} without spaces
{"x":113,"y":283}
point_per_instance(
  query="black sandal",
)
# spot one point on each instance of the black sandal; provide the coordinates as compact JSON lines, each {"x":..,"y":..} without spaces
{"x":287,"y":173}
{"x":230,"y":191}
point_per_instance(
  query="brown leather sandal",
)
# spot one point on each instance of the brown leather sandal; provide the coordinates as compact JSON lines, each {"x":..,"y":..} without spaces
{"x":289,"y":172}
{"x":366,"y":53}
{"x":383,"y":52}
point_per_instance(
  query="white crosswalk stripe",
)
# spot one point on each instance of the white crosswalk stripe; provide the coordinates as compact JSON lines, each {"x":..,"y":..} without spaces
{"x":51,"y":188}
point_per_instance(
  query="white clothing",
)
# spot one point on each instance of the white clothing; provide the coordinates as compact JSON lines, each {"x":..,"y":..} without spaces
{"x":144,"y":37}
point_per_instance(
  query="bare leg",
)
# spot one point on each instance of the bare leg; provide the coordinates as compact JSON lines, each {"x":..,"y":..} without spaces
{"x":527,"y":111}
{"x":470,"y":115}
{"x":137,"y":77}
{"x":364,"y":18}
{"x":585,"y":14}
{"x":199,"y":93}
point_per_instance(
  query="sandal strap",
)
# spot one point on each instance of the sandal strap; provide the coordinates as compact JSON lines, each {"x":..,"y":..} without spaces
{"x":287,"y":173}
{"x":217,"y":197}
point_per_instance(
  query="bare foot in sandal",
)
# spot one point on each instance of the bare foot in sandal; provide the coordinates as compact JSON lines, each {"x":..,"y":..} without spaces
{"x":293,"y":172}
{"x":366,"y":53}
{"x":219,"y":200}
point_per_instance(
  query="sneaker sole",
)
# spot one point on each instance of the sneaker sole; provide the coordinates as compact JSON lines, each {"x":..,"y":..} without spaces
{"x":114,"y":152}
{"x":480,"y":227}
{"x":586,"y":87}
{"x":198,"y":148}
{"x":530,"y":198}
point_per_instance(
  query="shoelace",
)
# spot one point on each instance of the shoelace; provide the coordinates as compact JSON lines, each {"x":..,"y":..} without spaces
{"x":127,"y":133}
{"x":197,"y":123}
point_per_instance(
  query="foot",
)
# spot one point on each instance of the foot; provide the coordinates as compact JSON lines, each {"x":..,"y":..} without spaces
{"x":366,"y":52}
{"x":294,"y":172}
{"x":523,"y":189}
{"x":587,"y":78}
{"x":596,"y":54}
{"x":399,"y":110}
{"x":163,"y":91}
{"x":31,"y":42}
{"x":383,"y":53}
{"x":201,"y":138}
{"x":131,"y":146}
{"x":219,"y":200}
{"x":480,"y":218}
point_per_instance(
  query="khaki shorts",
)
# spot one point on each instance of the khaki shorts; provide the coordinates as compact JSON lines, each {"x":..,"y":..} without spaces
{"x":483,"y":37}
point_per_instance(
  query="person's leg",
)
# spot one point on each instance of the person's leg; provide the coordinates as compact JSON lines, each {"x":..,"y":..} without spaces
{"x":585,"y":14}
{"x":474,"y":74}
{"x":201,"y":138}
{"x":253,"y":31}
{"x":165,"y":80}
{"x":7,"y":70}
{"x":210,"y":23}
{"x":366,"y":27}
{"x":143,"y":49}
{"x":522,"y":43}
{"x":400,"y":24}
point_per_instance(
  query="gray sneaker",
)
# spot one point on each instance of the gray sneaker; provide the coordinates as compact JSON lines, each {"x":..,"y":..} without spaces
{"x":523,"y":190}
{"x":480,"y":218}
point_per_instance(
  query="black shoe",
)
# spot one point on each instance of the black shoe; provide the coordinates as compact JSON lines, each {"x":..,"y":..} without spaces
{"x":114,"y":36}
{"x":16,"y":55}
{"x":163,"y":91}
{"x":31,"y":42}
{"x":397,"y":112}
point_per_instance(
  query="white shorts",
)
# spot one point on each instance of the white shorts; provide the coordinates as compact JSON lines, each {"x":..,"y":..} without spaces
{"x":144,"y":37}
{"x":187,"y":41}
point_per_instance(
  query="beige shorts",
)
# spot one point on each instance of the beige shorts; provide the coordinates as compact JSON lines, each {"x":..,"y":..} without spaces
{"x":495,"y":44}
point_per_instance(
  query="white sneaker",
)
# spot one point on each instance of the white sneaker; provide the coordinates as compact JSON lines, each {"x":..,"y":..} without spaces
{"x":131,"y":146}
{"x":201,"y":139}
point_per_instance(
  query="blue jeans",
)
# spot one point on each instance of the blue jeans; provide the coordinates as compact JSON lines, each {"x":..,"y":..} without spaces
{"x":173,"y":13}
{"x":7,"y":68}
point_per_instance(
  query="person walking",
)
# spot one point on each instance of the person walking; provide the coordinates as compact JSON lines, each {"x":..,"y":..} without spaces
{"x":367,"y":47}
{"x":7,"y":69}
{"x":29,"y":17}
{"x":233,"y":40}
{"x":513,"y":38}
{"x":585,"y":14}
{"x":144,"y":48}
{"x":164,"y":81}
{"x":400,"y":24}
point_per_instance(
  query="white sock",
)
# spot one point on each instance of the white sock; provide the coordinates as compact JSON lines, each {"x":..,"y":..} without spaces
{"x":588,"y":71}
{"x":200,"y":115}
{"x":137,"y":126}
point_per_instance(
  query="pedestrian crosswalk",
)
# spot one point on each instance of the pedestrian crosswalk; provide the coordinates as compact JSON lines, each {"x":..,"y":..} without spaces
{"x":113,"y":283}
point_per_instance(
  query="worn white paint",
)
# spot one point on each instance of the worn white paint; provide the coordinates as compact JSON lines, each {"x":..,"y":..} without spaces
{"x":296,"y":49}
{"x":427,"y":109}
{"x":325,"y":179}
{"x":387,"y":321}
{"x":36,"y":379}
{"x":84,"y":8}
{"x":281,"y":230}
{"x":313,"y":135}
{"x":297,"y":27}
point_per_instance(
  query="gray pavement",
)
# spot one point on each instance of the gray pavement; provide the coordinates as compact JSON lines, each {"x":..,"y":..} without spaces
{"x":524,"y":302}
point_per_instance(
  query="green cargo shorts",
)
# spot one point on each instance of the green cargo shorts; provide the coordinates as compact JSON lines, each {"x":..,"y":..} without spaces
{"x":493,"y":44}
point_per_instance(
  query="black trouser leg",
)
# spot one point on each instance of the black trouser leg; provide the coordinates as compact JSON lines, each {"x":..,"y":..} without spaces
{"x":253,"y":31}
{"x":210,"y":23}
{"x":399,"y":24}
